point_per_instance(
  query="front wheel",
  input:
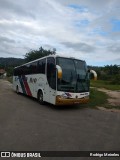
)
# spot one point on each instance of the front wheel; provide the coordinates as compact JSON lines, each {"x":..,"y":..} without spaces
{"x":40,"y":97}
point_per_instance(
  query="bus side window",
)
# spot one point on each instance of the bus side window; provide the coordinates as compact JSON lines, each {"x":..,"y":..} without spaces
{"x":51,"y":72}
{"x":27,"y":69}
{"x":41,"y":66}
{"x":34,"y":67}
{"x":15,"y":72}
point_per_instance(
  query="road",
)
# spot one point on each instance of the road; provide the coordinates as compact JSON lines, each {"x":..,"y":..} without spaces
{"x":27,"y":125}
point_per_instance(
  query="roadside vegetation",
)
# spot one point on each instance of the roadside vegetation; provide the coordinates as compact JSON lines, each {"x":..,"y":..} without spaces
{"x":108,"y":78}
{"x":104,"y":84}
{"x":97,"y":98}
{"x":108,"y":106}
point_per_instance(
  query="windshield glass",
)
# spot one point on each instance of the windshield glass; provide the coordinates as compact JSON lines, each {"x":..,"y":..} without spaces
{"x":74,"y":75}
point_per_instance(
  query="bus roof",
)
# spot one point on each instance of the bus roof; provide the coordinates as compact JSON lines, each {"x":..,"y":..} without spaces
{"x":51,"y":55}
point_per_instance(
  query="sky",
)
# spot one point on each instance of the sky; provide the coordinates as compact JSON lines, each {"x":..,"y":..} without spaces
{"x":84,"y":29}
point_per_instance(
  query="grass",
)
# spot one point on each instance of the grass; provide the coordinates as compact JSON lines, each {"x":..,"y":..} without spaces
{"x":107,"y":106}
{"x":104,"y":84}
{"x":97,"y":98}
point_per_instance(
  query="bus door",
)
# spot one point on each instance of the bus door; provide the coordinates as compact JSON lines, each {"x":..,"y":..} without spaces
{"x":42,"y":82}
{"x":46,"y":92}
{"x":51,"y":79}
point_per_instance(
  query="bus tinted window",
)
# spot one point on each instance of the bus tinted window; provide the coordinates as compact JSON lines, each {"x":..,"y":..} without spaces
{"x":33,"y":68}
{"x":15,"y":72}
{"x":51,"y":72}
{"x":41,"y":66}
{"x":27,"y":71}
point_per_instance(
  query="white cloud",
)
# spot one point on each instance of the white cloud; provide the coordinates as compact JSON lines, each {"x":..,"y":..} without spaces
{"x":84,"y":29}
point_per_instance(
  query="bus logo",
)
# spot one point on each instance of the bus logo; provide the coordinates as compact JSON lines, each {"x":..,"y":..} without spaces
{"x":5,"y":154}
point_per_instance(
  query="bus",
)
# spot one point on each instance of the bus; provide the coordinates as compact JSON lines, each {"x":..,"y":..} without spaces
{"x":55,"y":79}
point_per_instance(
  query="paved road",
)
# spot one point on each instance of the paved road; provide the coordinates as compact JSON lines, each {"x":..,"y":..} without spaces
{"x":27,"y":125}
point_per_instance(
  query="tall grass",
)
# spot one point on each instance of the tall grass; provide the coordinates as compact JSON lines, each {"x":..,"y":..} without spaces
{"x":97,"y":98}
{"x":104,"y":84}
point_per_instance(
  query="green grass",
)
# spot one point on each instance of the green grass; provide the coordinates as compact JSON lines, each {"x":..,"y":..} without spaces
{"x":108,"y":106}
{"x":104,"y":84}
{"x":97,"y":98}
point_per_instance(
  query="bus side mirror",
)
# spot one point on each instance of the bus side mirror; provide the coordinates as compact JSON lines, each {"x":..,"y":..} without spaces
{"x":94,"y":73}
{"x":59,"y":72}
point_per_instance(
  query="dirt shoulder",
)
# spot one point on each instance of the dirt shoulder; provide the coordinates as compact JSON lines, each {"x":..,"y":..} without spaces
{"x":114,"y":96}
{"x":113,"y":100}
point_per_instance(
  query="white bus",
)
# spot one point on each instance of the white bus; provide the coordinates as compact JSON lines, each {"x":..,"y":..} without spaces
{"x":54,"y":79}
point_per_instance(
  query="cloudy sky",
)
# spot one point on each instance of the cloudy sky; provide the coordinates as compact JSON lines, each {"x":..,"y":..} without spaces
{"x":86,"y":29}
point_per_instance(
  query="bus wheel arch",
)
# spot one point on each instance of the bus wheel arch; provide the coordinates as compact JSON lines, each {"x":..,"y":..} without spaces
{"x":40,"y":96}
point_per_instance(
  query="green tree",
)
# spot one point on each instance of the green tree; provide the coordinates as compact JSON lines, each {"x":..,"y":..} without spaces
{"x":35,"y":54}
{"x":9,"y":71}
{"x":111,"y":70}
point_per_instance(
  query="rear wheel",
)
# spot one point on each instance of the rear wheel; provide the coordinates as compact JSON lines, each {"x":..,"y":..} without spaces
{"x":40,"y":97}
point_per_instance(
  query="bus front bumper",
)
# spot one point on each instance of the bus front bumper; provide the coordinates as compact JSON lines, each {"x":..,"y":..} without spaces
{"x":70,"y":101}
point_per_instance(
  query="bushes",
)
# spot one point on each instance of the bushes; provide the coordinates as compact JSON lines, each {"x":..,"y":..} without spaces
{"x":109,"y":73}
{"x":115,"y":79}
{"x":111,"y":79}
{"x":105,"y":84}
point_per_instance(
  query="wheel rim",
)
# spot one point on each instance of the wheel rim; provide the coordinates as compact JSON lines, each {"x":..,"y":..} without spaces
{"x":40,"y":97}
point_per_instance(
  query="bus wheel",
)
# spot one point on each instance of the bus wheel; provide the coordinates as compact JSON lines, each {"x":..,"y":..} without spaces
{"x":17,"y":89}
{"x":40,"y":97}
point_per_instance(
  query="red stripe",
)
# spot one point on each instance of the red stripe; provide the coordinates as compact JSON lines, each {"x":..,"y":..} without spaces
{"x":27,"y":88}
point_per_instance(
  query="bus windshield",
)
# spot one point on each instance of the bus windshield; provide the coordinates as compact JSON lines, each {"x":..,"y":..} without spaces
{"x":75,"y":77}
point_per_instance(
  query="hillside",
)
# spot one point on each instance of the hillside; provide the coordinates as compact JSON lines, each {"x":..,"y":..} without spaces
{"x":5,"y":62}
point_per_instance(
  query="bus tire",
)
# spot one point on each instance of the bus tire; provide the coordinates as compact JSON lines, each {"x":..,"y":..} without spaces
{"x":17,"y":89}
{"x":40,"y":97}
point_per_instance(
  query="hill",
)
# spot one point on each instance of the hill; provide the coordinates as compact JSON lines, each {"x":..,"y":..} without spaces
{"x":5,"y":62}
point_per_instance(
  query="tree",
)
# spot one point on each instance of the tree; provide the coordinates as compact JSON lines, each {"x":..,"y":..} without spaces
{"x":9,"y":71}
{"x":35,"y":54}
{"x":111,"y":70}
